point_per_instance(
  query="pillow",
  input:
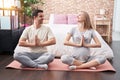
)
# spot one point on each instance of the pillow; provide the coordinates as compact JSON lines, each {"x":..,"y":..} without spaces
{"x":60,"y":19}
{"x":51,"y":19}
{"x":72,"y":18}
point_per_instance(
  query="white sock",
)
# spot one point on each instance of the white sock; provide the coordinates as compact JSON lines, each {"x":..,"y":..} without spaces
{"x":72,"y":67}
{"x":44,"y":66}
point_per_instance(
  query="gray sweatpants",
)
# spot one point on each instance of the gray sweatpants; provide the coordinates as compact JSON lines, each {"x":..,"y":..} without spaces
{"x":33,"y":59}
{"x":67,"y":59}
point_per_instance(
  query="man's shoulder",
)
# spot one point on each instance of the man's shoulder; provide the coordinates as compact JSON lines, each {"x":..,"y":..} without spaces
{"x":29,"y":27}
{"x":46,"y":26}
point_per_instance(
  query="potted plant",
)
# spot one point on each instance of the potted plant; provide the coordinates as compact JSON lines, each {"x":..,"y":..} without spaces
{"x":29,"y":5}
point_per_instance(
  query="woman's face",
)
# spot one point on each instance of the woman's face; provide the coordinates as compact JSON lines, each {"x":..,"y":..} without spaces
{"x":81,"y":17}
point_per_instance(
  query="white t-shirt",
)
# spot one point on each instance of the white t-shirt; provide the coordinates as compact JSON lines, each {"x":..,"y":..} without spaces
{"x":44,"y":33}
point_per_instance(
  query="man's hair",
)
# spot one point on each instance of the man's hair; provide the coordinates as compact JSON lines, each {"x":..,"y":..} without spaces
{"x":35,"y":12}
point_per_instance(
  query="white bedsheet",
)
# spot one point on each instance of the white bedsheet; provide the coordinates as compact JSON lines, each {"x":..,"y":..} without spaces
{"x":60,"y":31}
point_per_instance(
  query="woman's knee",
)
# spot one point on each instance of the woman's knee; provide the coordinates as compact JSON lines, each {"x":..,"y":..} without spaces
{"x":101,"y":59}
{"x":66,"y":59}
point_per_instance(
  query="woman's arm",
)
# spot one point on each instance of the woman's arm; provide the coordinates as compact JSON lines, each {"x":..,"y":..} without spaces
{"x":94,"y":45}
{"x":69,"y":43}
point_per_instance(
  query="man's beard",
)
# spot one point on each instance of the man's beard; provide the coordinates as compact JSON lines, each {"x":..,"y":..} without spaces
{"x":41,"y":22}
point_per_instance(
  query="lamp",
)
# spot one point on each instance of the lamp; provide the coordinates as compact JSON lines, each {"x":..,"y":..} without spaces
{"x":102,"y":13}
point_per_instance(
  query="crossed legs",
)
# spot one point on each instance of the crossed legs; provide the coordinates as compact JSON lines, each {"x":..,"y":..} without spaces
{"x":37,"y":60}
{"x":76,"y":64}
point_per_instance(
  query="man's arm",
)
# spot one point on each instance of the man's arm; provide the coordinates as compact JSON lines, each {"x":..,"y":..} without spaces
{"x":47,"y":43}
{"x":23,"y":42}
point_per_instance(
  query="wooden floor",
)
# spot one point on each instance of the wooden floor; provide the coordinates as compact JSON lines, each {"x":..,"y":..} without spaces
{"x":11,"y":74}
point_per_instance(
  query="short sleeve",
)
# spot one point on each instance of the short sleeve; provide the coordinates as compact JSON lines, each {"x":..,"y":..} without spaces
{"x":25,"y":34}
{"x":71,"y":31}
{"x":93,"y":33}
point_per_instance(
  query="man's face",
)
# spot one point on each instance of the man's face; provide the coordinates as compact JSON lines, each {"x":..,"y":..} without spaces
{"x":40,"y":18}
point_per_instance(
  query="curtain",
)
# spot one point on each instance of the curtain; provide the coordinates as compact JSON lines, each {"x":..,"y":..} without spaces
{"x":116,"y":16}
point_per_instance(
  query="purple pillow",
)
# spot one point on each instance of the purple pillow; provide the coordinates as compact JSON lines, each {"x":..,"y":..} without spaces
{"x":60,"y":19}
{"x":72,"y":18}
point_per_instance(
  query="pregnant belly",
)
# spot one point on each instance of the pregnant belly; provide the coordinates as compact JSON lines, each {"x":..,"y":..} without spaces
{"x":81,"y":53}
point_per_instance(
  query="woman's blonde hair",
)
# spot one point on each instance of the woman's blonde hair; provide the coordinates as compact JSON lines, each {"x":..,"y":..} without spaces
{"x":87,"y":22}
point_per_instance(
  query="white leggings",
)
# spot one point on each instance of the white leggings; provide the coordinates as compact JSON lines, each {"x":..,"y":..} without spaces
{"x":33,"y":59}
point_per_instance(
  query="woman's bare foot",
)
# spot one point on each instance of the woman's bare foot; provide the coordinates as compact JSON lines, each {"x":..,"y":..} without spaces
{"x":93,"y":68}
{"x":76,"y":67}
{"x":72,"y":67}
{"x":77,"y":62}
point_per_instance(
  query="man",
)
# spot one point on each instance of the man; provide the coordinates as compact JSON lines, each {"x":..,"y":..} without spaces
{"x":36,"y":38}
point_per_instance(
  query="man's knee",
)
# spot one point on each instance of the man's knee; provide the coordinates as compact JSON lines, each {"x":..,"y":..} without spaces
{"x":17,"y":56}
{"x":51,"y":57}
{"x":101,"y":59}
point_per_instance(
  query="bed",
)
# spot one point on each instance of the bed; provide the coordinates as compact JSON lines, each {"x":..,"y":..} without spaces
{"x":60,"y":28}
{"x":61,"y":24}
{"x":60,"y":31}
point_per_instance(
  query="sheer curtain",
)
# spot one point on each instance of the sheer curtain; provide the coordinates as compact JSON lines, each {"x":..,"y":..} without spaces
{"x":116,"y":16}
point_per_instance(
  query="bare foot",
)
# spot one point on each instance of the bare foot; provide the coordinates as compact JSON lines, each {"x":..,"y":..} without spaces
{"x":93,"y":68}
{"x":77,"y":62}
{"x":72,"y":67}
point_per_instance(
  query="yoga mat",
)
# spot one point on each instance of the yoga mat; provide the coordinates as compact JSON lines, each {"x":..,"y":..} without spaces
{"x":59,"y":66}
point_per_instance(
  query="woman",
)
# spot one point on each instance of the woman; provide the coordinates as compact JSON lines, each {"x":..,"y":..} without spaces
{"x":82,"y":36}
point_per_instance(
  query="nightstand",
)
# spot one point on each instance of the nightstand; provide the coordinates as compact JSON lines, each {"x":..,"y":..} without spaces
{"x":103,"y":26}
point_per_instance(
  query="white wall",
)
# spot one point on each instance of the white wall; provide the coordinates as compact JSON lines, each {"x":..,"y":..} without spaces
{"x":116,"y":16}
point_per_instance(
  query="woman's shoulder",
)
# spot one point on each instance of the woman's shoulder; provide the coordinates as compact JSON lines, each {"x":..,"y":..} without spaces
{"x":92,"y":30}
{"x":74,"y":28}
